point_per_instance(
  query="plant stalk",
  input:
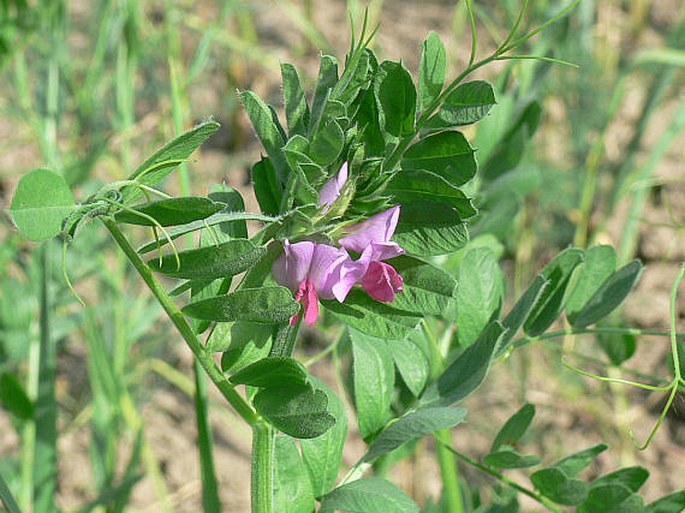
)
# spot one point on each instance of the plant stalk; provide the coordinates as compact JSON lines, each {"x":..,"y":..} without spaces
{"x":178,"y":319}
{"x":262,"y":484}
{"x":454,"y":502}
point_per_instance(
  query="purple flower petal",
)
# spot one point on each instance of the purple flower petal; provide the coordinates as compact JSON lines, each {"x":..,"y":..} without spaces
{"x":292,"y":267}
{"x":349,"y":273}
{"x":382,"y":282}
{"x":384,"y":250}
{"x":379,"y":228}
{"x":325,"y":270}
{"x":331,"y":189}
{"x":306,"y":294}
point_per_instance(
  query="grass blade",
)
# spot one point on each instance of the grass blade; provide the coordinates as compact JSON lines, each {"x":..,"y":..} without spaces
{"x":7,"y":499}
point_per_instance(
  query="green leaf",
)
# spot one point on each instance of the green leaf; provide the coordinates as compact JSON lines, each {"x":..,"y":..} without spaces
{"x":412,"y":363}
{"x":323,"y":455}
{"x":557,"y":486}
{"x":507,"y":457}
{"x":13,"y":397}
{"x":467,"y":104}
{"x":369,"y":495}
{"x":270,"y":135}
{"x":373,"y":375}
{"x":296,"y":107}
{"x":327,"y":78}
{"x":612,"y":498}
{"x":368,"y":122}
{"x":227,"y":259}
{"x":447,"y":154}
{"x":480,"y":293}
{"x":170,"y":212}
{"x":292,"y":492}
{"x":222,"y":219}
{"x":327,"y":143}
{"x":599,"y":264}
{"x":247,"y":353}
{"x":520,"y":312}
{"x":415,"y":184}
{"x":515,"y":427}
{"x":558,"y":272}
{"x":41,"y":202}
{"x":431,"y":69}
{"x":231,"y":335}
{"x":277,"y":371}
{"x":467,"y":372}
{"x":573,"y":464}
{"x":411,"y":426}
{"x":510,"y":149}
{"x":156,"y":168}
{"x":618,"y":347}
{"x":371,"y":317}
{"x":235,"y":204}
{"x":308,"y":172}
{"x":631,"y":477}
{"x":263,"y":305}
{"x":426,"y":290}
{"x":671,"y":503}
{"x":429,"y":228}
{"x":611,"y":294}
{"x":298,"y":411}
{"x":266,"y":189}
{"x":397,"y":99}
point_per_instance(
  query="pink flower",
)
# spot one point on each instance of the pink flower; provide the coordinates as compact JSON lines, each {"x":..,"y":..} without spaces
{"x":312,"y":270}
{"x":331,"y":189}
{"x":371,"y":238}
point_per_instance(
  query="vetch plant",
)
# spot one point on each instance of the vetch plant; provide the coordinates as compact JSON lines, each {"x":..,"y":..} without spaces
{"x":361,"y":196}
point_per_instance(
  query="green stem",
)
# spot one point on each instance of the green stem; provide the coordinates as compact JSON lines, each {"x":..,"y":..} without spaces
{"x":45,"y":457}
{"x":210,"y":492}
{"x":502,"y":478}
{"x":454,"y":501}
{"x":176,"y":316}
{"x":563,"y":333}
{"x":263,"y":438}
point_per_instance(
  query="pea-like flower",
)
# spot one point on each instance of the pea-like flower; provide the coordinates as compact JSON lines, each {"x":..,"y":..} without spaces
{"x":371,"y":238}
{"x":312,"y":271}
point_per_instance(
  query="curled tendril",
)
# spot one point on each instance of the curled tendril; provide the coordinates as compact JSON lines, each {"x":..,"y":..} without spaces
{"x":65,"y":274}
{"x":155,"y":224}
{"x":671,"y":388}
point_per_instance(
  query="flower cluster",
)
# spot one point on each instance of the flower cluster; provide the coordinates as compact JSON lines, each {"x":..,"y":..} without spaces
{"x":312,"y":270}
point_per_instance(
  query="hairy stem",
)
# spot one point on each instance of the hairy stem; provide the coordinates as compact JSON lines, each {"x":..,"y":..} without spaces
{"x":177,"y":318}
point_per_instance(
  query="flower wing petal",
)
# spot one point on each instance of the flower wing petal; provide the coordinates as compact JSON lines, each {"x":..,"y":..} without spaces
{"x":378,"y":228}
{"x":293,"y":266}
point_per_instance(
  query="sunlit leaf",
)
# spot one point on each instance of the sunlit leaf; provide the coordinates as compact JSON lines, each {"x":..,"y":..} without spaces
{"x":170,"y":212}
{"x":373,"y":375}
{"x":411,"y":426}
{"x":368,"y":495}
{"x":40,"y":203}
{"x":298,"y":411}
{"x":265,"y":305}
{"x":227,"y":259}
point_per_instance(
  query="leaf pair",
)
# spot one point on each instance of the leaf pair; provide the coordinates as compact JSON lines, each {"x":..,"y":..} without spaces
{"x":287,"y":398}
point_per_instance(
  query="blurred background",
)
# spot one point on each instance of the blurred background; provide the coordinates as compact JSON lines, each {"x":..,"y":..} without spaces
{"x":584,"y":156}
